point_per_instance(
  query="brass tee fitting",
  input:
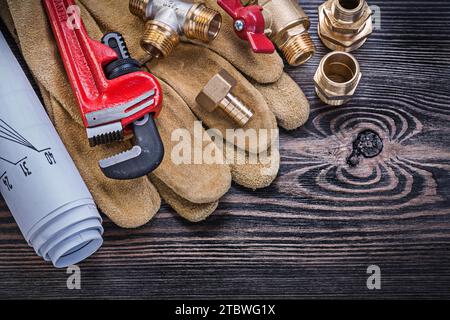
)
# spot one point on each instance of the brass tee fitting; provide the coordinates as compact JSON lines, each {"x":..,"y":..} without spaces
{"x":217,"y":94}
{"x":287,"y":25}
{"x":167,"y":20}
{"x":345,"y":25}
{"x":337,"y":78}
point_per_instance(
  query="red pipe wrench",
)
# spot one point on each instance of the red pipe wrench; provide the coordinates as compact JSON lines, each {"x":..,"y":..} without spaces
{"x":115,"y":97}
{"x":249,"y":24}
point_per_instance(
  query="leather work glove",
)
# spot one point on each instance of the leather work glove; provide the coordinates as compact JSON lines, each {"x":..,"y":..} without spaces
{"x":193,"y":190}
{"x":262,"y":84}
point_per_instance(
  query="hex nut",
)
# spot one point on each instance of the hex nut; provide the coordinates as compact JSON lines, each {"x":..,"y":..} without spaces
{"x":345,"y":25}
{"x":216,"y":90}
{"x":217,"y":95}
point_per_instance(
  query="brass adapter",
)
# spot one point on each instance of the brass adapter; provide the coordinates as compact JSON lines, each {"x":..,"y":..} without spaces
{"x":337,"y":78}
{"x":287,"y":25}
{"x":167,"y":20}
{"x":345,"y":25}
{"x":217,"y":94}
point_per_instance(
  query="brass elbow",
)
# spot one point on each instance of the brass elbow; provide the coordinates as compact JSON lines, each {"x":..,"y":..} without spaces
{"x":287,"y":25}
{"x":345,"y":25}
{"x":337,"y":78}
{"x":167,"y":20}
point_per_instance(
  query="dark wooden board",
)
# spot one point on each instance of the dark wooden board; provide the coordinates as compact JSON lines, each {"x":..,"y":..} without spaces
{"x":317,"y":229}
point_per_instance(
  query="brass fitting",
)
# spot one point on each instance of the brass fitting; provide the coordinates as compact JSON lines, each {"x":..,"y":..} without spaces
{"x":167,"y":20}
{"x":287,"y":25}
{"x":217,"y":94}
{"x":337,"y":78}
{"x":345,"y":25}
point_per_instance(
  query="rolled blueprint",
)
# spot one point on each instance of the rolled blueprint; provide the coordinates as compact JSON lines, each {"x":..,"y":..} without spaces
{"x":38,"y":180}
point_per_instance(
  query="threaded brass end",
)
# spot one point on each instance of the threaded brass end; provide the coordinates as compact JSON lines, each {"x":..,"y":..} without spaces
{"x":337,"y":78}
{"x":344,"y":25}
{"x":236,"y":110}
{"x":202,"y":23}
{"x":298,"y":49}
{"x":139,"y":8}
{"x":348,"y":10}
{"x":159,"y":39}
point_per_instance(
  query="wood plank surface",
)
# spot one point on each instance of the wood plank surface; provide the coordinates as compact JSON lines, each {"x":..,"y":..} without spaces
{"x":323,"y":222}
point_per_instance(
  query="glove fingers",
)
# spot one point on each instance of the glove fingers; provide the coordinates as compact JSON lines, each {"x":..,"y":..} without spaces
{"x":190,"y":68}
{"x":255,"y":172}
{"x":197,"y":183}
{"x":287,"y":101}
{"x":129,"y":204}
{"x":192,"y":212}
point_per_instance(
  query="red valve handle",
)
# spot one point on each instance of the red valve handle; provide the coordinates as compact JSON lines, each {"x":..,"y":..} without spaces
{"x":249,"y":24}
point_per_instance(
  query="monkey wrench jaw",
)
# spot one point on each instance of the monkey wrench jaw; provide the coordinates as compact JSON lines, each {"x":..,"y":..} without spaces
{"x":115,"y":97}
{"x":142,"y":159}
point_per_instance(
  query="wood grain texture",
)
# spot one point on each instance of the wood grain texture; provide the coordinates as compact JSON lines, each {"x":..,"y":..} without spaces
{"x":317,"y":229}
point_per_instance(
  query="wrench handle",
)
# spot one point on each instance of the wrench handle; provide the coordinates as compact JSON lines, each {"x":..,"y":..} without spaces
{"x":83,"y":57}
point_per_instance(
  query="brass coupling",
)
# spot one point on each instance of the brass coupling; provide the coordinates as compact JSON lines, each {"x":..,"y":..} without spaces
{"x":216,"y":94}
{"x":167,"y":20}
{"x":287,"y":25}
{"x":337,"y":78}
{"x":345,"y":25}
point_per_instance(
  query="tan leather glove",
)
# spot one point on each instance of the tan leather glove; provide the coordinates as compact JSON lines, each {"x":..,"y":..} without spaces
{"x":262,"y":84}
{"x":192,"y":190}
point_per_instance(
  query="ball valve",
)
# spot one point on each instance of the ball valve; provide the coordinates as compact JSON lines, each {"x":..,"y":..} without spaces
{"x":285,"y":24}
{"x":249,"y":24}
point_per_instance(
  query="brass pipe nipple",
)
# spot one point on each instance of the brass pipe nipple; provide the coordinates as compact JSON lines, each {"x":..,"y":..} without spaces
{"x":287,"y":25}
{"x":298,"y":49}
{"x":217,"y":94}
{"x":347,"y":10}
{"x":202,"y":23}
{"x":159,"y":40}
{"x":337,"y":78}
{"x":139,"y":8}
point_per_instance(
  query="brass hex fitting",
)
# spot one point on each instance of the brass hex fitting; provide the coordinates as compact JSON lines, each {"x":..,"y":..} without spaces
{"x":287,"y":25}
{"x":217,"y":94}
{"x":167,"y":20}
{"x":345,"y":25}
{"x":337,"y":78}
